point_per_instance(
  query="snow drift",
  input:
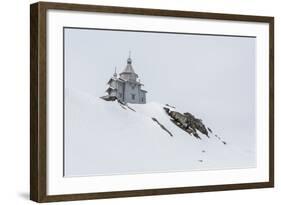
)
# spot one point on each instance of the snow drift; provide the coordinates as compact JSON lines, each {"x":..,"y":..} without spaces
{"x":105,"y":138}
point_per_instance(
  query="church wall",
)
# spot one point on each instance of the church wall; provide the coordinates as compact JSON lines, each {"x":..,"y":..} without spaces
{"x":113,"y":93}
{"x":120,"y":90}
{"x":129,"y":91}
{"x":112,"y":83}
{"x":142,"y":97}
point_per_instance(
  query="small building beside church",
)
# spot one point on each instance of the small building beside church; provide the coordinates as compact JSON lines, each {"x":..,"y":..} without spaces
{"x":126,"y":87}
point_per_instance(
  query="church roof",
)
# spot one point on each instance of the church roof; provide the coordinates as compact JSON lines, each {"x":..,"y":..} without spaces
{"x":115,"y":79}
{"x":129,"y":68}
{"x":143,"y":90}
{"x":110,"y":88}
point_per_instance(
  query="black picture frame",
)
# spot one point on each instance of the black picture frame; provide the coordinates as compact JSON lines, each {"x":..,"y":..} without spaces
{"x":38,"y":101}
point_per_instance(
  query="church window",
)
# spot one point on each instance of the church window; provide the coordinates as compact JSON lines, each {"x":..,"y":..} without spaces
{"x":133,"y":96}
{"x":120,"y":95}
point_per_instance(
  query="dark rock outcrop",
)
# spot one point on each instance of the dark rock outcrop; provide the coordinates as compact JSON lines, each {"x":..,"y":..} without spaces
{"x":162,"y":126}
{"x":188,"y":122}
{"x":170,"y":106}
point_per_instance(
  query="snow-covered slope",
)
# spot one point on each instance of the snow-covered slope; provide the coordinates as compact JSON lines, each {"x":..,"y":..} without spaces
{"x":108,"y":138}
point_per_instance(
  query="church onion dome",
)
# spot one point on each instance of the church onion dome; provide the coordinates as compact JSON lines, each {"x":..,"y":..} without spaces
{"x":129,"y":68}
{"x":129,"y":60}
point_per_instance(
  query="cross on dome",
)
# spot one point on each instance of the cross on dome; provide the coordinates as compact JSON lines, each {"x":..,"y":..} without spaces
{"x":129,"y":60}
{"x":115,"y":74}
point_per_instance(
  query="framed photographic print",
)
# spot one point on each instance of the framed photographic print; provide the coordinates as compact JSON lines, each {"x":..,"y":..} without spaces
{"x":135,"y":102}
